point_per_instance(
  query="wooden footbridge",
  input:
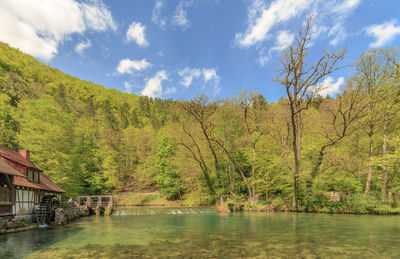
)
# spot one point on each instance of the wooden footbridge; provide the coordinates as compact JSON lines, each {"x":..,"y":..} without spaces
{"x":96,"y":201}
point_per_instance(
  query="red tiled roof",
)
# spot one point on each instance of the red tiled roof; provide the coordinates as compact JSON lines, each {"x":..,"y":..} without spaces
{"x":7,"y":169}
{"x":45,"y":184}
{"x":16,"y":157}
{"x":49,"y":184}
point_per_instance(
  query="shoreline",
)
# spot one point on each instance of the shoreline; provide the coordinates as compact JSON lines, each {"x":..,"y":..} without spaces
{"x":16,"y":230}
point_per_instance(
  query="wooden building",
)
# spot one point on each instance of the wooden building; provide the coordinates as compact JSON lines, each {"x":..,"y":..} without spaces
{"x":22,"y":184}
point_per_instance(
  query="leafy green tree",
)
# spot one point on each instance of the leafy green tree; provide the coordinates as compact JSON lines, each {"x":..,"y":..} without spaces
{"x":168,"y":179}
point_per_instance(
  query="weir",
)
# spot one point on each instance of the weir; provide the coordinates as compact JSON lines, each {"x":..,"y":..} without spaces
{"x":147,"y":210}
{"x":101,"y":204}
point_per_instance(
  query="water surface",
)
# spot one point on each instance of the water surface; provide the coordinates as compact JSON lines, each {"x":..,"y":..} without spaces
{"x":236,"y":235}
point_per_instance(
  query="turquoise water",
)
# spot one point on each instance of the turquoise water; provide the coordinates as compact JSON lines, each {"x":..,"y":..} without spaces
{"x":236,"y":235}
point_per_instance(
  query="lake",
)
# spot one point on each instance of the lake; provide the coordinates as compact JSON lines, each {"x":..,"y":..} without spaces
{"x":211,"y":235}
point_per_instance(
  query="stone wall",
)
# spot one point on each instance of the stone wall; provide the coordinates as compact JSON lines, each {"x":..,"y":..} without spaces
{"x":68,"y":214}
{"x":14,"y":225}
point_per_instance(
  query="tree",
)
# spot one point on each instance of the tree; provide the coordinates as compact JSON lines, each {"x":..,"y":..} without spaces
{"x":252,"y":105}
{"x":168,"y":179}
{"x":200,"y":111}
{"x":302,"y":84}
{"x":371,"y":77}
{"x":343,"y":115}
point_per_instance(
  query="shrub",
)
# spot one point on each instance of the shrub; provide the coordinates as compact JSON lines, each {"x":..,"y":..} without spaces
{"x":278,"y":203}
{"x":382,"y":209}
{"x":361,"y":204}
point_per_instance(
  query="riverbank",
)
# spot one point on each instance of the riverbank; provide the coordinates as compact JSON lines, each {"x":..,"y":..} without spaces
{"x":357,"y":204}
{"x":15,"y":225}
{"x":63,"y":216}
{"x":334,"y":204}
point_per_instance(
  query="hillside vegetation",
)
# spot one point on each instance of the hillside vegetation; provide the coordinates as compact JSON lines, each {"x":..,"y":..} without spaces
{"x":305,"y":152}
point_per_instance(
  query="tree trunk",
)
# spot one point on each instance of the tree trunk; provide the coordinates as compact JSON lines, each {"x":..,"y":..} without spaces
{"x":298,"y":131}
{"x":253,"y":186}
{"x":384,"y":172}
{"x":296,"y":160}
{"x":231,"y":181}
{"x":370,"y":167}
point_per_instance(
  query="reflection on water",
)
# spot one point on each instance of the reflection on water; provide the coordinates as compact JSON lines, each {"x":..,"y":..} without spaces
{"x":237,"y":235}
{"x":143,"y":210}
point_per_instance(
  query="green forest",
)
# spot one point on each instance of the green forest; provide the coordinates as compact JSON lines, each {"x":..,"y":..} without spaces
{"x":303,"y":153}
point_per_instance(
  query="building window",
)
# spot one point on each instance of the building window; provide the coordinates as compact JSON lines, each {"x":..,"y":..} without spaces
{"x":30,"y":176}
{"x":33,"y":176}
{"x":36,"y":177}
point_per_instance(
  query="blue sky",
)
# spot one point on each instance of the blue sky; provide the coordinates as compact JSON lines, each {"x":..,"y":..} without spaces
{"x":178,"y":49}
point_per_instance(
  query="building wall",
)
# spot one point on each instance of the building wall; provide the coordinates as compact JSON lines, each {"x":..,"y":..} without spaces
{"x":24,"y":203}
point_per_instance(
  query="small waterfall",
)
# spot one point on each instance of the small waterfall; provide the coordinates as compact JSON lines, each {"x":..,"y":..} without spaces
{"x":141,"y":210}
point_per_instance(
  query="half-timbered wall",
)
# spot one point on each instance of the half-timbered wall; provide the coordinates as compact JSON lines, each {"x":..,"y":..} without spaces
{"x":24,"y":202}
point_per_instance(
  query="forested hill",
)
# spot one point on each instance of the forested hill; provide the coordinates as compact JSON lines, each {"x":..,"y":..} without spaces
{"x":78,"y":132}
{"x":305,"y":152}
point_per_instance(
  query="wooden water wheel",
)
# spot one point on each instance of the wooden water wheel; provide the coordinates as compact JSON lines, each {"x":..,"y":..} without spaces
{"x":47,"y":207}
{"x":53,"y":205}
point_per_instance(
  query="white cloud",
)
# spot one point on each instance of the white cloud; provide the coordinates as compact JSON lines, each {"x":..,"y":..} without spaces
{"x":283,"y":41}
{"x":329,"y":86}
{"x":264,"y":17}
{"x":97,"y":16}
{"x":81,"y":46}
{"x":127,"y":66}
{"x":188,"y":74}
{"x":210,"y":74}
{"x":153,"y":87}
{"x":206,"y":74}
{"x":157,"y":16}
{"x":383,"y":33}
{"x":340,"y":12}
{"x":137,"y":32}
{"x":180,"y":17}
{"x":261,"y":19}
{"x":39,"y":27}
{"x":346,"y":6}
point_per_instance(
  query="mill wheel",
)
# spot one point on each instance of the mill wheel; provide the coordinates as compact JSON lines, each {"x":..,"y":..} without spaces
{"x":47,"y":207}
{"x":54,"y":203}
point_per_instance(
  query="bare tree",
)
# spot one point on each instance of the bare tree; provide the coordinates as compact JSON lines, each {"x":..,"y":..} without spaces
{"x":200,"y":110}
{"x":302,"y":83}
{"x":344,"y":113}
{"x":194,"y":149}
